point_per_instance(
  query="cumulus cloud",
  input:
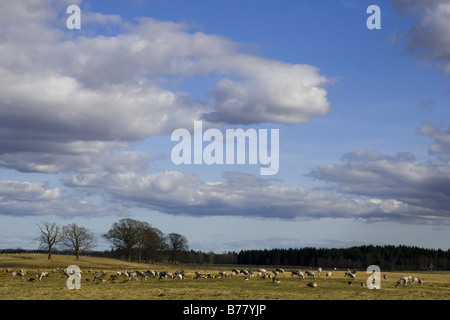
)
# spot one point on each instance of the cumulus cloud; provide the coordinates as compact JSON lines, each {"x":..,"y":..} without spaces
{"x":428,"y":39}
{"x":71,"y":96}
{"x":33,"y":199}
{"x":76,"y":102}
{"x":272,"y":92}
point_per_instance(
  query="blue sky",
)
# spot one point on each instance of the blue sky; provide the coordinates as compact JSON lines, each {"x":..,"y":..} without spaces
{"x":86,"y":118}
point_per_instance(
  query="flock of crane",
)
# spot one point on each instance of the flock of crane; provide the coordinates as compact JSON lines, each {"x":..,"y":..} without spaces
{"x":274,"y":275}
{"x":25,"y":274}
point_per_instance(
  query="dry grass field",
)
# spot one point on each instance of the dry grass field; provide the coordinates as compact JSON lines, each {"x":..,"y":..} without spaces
{"x":436,"y":284}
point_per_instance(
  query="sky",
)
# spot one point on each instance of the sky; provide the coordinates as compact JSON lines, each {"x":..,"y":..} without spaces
{"x":87,"y":117}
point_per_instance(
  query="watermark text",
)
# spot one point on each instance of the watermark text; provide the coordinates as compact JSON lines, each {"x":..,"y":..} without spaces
{"x":192,"y":150}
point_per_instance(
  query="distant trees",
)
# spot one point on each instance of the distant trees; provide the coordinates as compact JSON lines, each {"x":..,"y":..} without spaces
{"x":131,"y":239}
{"x":154,"y":244}
{"x":177,"y":243}
{"x":135,"y":240}
{"x":124,"y":235}
{"x":360,"y":257}
{"x":71,"y":237}
{"x":139,"y":240}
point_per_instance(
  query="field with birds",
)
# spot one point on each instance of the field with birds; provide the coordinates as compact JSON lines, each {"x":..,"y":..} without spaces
{"x":34,"y":277}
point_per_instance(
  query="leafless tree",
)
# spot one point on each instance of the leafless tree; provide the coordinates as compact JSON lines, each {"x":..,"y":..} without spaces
{"x":49,"y":236}
{"x":77,"y":239}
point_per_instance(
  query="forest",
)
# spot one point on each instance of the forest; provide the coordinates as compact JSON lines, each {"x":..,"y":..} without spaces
{"x":138,"y":241}
{"x":388,"y":258}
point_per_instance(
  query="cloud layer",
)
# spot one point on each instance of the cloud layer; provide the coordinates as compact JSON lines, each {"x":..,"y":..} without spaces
{"x":421,"y":188}
{"x":68,"y":97}
{"x":33,"y":199}
{"x":74,"y":103}
{"x":372,"y":194}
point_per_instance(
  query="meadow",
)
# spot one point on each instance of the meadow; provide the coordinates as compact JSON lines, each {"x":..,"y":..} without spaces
{"x":436,"y":284}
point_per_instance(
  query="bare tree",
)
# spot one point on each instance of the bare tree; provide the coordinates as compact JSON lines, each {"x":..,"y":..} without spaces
{"x":77,"y":239}
{"x":49,"y":236}
{"x":177,"y":243}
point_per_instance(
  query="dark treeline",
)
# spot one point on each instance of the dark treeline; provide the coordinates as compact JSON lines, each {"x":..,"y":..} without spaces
{"x":388,"y":258}
{"x":134,"y":240}
{"x":358,"y":257}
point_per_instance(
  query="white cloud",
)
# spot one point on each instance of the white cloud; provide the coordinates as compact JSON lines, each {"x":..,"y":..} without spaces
{"x":33,"y":199}
{"x":76,"y":102}
{"x":272,"y":92}
{"x":28,"y":191}
{"x":66,"y":97}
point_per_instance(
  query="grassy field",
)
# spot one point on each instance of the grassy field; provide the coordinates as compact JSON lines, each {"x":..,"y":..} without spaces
{"x":436,"y":284}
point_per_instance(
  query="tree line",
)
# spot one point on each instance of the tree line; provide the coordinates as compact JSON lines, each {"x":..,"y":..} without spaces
{"x":388,"y":258}
{"x":360,"y":257}
{"x":130,"y":239}
{"x":134,"y":240}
